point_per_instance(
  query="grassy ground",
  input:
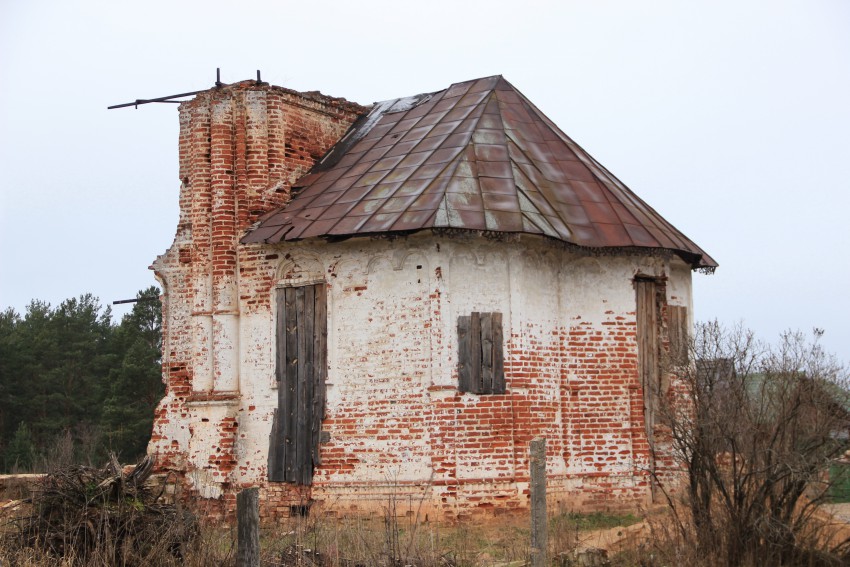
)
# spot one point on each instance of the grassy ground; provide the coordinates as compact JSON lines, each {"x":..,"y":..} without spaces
{"x":574,"y":540}
{"x":362,"y":542}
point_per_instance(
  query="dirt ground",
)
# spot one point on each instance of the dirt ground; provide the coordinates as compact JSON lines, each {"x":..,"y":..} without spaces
{"x":634,"y":536}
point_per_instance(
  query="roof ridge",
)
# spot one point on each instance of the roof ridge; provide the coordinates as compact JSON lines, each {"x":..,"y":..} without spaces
{"x":454,"y":161}
{"x":599,"y":171}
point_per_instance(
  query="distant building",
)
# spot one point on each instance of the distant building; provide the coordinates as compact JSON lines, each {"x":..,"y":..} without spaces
{"x":392,"y":301}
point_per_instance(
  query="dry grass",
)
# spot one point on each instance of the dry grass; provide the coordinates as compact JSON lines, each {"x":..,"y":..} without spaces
{"x":395,"y":541}
{"x":113,"y":531}
{"x":376,"y":541}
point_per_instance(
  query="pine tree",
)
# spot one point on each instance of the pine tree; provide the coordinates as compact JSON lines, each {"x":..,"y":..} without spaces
{"x":9,"y":364}
{"x":135,"y":385}
{"x":20,"y":454}
{"x":68,"y":373}
{"x":71,"y":351}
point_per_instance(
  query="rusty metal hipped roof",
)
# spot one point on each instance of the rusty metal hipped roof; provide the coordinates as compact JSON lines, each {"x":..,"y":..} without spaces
{"x":476,"y":156}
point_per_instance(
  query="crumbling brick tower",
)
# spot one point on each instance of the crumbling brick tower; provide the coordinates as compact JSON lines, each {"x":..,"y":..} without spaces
{"x":241,"y":147}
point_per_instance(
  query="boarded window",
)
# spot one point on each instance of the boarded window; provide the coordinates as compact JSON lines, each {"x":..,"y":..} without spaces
{"x":300,"y":373}
{"x":480,"y":358}
{"x":677,"y":329}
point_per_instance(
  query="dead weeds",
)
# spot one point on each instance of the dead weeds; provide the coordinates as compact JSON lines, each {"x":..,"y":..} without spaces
{"x":81,"y":515}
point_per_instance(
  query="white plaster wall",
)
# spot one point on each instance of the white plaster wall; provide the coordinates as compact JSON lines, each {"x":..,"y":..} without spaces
{"x":392,"y":313}
{"x":679,"y":286}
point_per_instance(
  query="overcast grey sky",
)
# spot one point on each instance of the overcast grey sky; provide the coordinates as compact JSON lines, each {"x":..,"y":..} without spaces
{"x":731,"y":118}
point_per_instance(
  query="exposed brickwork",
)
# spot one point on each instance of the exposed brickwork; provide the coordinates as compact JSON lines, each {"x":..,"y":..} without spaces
{"x":240,"y":149}
{"x":395,"y":424}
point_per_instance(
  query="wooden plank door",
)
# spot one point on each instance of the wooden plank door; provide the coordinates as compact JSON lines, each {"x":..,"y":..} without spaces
{"x":301,"y":366}
{"x":648,"y":351}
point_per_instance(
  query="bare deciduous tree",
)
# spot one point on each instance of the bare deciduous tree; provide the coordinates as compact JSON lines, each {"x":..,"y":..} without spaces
{"x":756,"y":428}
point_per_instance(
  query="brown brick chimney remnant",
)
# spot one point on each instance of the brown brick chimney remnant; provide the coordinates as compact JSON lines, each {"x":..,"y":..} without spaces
{"x":246,"y":143}
{"x":241,"y":147}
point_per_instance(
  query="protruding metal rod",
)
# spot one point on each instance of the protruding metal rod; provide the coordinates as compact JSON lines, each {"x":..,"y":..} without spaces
{"x":139,"y":101}
{"x":120,"y":301}
{"x":259,"y":80}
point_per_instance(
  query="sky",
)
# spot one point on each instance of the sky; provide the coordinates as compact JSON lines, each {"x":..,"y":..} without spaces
{"x":730,"y":118}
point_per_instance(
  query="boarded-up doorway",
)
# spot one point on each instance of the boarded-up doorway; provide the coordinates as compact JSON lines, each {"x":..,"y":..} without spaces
{"x":648,"y":349}
{"x":301,"y":365}
{"x":647,"y":315}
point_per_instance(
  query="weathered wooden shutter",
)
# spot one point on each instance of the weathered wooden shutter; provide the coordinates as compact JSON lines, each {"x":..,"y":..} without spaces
{"x":648,"y":350}
{"x":677,"y":329}
{"x":480,"y":357}
{"x":301,"y":364}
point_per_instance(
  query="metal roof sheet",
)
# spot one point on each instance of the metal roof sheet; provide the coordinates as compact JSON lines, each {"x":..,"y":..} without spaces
{"x":476,"y":156}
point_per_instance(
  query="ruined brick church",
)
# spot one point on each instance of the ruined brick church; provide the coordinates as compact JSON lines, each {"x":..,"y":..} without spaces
{"x":365,"y":302}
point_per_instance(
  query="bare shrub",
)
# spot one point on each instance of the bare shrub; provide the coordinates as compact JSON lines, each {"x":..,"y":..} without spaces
{"x":84,"y":516}
{"x":756,"y":428}
{"x":59,"y":454}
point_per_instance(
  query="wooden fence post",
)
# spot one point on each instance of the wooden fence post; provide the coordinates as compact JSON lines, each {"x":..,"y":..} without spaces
{"x":539,"y":527}
{"x":248,"y":528}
